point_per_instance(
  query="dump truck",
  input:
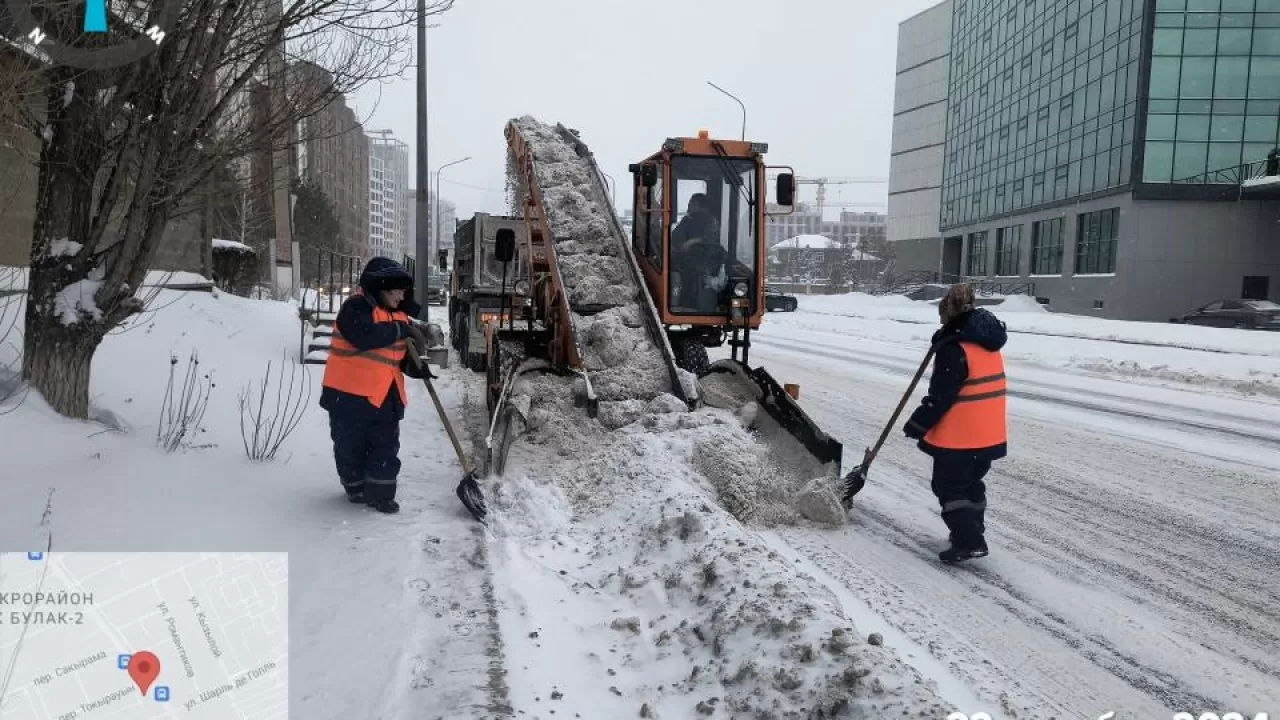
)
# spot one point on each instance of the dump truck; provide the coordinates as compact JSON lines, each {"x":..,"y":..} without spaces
{"x":476,"y":285}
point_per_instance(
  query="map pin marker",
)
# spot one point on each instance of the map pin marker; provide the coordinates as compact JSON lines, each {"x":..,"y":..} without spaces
{"x":144,"y":668}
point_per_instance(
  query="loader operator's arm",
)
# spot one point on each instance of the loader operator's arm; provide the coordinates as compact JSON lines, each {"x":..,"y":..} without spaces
{"x":950,"y":370}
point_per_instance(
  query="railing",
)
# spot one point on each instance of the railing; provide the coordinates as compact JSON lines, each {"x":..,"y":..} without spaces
{"x":906,"y":282}
{"x":335,"y":276}
{"x":1239,"y":174}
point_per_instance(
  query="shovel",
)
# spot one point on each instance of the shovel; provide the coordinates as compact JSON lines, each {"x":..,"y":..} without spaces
{"x":468,"y":489}
{"x":857,"y":478}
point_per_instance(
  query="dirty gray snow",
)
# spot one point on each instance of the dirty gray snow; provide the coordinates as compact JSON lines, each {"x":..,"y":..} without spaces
{"x":627,"y":592}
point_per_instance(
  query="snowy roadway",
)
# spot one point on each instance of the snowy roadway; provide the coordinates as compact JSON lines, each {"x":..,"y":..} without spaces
{"x":1134,"y":562}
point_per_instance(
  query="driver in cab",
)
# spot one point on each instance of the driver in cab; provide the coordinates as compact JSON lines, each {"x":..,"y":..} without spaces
{"x":695,"y":248}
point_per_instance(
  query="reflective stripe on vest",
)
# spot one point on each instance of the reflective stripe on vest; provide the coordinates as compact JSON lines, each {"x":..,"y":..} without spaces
{"x":367,"y":373}
{"x":977,"y":419}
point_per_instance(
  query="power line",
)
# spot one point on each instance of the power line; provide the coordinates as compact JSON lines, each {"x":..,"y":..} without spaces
{"x":473,"y":187}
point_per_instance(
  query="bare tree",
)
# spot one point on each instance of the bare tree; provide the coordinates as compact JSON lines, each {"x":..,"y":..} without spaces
{"x":124,"y":149}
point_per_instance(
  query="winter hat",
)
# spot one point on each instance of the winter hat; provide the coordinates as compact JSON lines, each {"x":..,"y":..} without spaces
{"x":958,"y":300}
{"x":385,"y":274}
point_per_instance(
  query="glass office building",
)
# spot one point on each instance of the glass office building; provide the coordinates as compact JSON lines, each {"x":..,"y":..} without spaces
{"x":1044,"y":103}
{"x":1098,"y":148}
{"x":1214,"y":94}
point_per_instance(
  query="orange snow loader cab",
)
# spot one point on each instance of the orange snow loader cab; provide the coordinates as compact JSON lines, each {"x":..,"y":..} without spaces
{"x":698,"y":235}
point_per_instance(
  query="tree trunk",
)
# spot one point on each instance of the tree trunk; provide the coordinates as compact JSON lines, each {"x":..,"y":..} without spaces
{"x":56,"y":360}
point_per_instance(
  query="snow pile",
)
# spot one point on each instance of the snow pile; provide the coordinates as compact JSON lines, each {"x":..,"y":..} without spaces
{"x":14,"y":279}
{"x":231,"y":246}
{"x":65,"y":247}
{"x":79,"y":299}
{"x":1020,"y":303}
{"x":647,"y":600}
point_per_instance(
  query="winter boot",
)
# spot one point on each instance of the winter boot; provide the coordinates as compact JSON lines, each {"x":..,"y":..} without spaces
{"x":385,"y":505}
{"x":355,"y":498}
{"x":957,"y":554}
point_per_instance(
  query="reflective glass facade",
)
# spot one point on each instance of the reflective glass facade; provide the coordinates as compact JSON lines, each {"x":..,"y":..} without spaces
{"x":1044,"y":101}
{"x":1215,"y":87}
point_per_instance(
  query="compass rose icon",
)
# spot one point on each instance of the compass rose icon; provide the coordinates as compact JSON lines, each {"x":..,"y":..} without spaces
{"x":127,"y":41}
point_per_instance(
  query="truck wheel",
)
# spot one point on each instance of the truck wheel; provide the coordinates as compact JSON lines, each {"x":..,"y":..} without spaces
{"x":690,"y":354}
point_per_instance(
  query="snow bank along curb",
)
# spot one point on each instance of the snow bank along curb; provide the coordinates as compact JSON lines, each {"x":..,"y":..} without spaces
{"x":1022,"y":320}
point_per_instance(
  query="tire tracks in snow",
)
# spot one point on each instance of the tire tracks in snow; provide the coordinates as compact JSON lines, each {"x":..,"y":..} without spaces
{"x":1120,"y":579}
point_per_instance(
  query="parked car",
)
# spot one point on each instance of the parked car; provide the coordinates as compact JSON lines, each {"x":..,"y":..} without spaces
{"x":776,"y":300}
{"x":1252,"y":314}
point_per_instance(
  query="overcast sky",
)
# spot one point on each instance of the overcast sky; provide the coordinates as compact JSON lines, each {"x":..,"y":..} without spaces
{"x":816,"y":77}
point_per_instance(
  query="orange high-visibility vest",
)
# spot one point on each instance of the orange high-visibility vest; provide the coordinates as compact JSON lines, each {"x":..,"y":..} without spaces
{"x":977,"y":419}
{"x":367,"y":373}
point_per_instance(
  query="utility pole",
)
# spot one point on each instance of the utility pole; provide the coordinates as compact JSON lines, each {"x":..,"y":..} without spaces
{"x":422,"y":243}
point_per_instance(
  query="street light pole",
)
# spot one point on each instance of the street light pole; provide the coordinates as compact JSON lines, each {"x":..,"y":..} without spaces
{"x":422,"y":230}
{"x":735,"y":99}
{"x":439,"y":173}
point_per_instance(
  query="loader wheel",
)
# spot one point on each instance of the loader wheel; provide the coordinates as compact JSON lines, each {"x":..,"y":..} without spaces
{"x":691,"y":354}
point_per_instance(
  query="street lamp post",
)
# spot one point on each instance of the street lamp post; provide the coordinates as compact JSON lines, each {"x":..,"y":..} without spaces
{"x":735,"y":99}
{"x":422,"y":241}
{"x":439,"y":172}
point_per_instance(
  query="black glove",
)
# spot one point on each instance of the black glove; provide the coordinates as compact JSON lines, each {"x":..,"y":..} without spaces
{"x":415,"y":335}
{"x":913,"y":430}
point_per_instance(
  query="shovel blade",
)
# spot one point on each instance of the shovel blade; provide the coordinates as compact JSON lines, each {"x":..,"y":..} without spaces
{"x":853,"y":484}
{"x":472,"y":497}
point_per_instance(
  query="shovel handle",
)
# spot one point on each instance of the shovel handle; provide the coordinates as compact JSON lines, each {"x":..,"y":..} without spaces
{"x":871,"y":453}
{"x":444,"y":418}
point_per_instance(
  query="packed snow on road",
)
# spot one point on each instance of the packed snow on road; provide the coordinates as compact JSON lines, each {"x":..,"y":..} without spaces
{"x":651,"y":571}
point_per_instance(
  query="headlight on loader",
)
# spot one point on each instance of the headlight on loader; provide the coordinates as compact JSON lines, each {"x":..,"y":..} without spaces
{"x":740,"y":289}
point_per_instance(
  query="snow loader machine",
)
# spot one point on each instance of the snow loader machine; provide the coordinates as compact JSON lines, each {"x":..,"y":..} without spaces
{"x":696,"y":276}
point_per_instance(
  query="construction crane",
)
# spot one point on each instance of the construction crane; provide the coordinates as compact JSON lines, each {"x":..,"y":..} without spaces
{"x":822,"y":184}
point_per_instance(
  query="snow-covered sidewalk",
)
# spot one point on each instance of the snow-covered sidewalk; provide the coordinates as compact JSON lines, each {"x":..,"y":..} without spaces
{"x":383,"y":609}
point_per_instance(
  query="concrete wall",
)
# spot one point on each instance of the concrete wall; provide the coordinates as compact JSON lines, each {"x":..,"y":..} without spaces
{"x":1172,"y":257}
{"x":917,"y":254}
{"x":919,"y":127}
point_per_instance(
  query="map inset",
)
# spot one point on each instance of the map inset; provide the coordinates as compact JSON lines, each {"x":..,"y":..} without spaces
{"x":144,"y":635}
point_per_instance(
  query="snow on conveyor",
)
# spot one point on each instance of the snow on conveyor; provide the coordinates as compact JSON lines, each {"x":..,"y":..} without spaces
{"x":623,"y":362}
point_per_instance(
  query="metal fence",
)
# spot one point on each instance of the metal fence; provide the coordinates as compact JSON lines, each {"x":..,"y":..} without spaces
{"x":1238,"y":174}
{"x":335,"y":276}
{"x":906,"y":282}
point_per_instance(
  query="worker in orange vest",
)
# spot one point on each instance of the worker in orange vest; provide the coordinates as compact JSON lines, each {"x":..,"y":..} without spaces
{"x":961,"y":422}
{"x":363,"y":386}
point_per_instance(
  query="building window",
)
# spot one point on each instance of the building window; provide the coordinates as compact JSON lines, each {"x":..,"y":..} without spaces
{"x":977,"y":266}
{"x":1096,"y":242}
{"x":1008,"y":250}
{"x":1046,"y":247}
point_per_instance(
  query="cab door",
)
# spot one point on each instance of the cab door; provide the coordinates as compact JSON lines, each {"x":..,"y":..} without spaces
{"x":648,"y":216}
